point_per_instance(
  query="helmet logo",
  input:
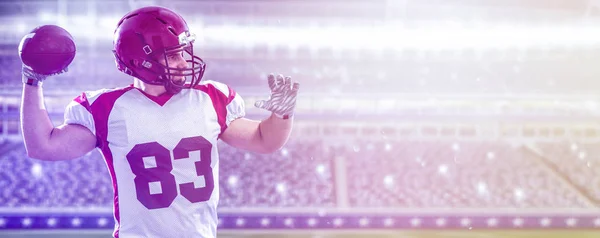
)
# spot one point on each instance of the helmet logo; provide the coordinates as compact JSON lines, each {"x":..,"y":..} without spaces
{"x":147,"y":64}
{"x":186,"y":38}
{"x":147,"y":49}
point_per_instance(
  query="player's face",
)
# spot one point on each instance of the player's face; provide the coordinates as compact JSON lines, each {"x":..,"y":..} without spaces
{"x":175,"y":60}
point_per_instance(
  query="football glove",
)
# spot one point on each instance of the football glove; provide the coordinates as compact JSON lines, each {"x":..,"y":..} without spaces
{"x":282,"y":101}
{"x":30,"y":77}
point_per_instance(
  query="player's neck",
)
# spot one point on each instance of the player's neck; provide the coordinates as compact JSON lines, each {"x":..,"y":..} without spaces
{"x":154,"y":90}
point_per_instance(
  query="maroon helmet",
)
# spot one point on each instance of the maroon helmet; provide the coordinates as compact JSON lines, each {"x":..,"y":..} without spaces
{"x":145,"y":35}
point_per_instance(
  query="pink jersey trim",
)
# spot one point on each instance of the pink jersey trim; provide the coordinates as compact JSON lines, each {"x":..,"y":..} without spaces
{"x":160,"y":100}
{"x":231,"y":95}
{"x":83,"y":101}
{"x":101,"y":109}
{"x":219,"y":101}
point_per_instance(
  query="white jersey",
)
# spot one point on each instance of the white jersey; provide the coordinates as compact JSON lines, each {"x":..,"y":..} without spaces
{"x":161,"y":154}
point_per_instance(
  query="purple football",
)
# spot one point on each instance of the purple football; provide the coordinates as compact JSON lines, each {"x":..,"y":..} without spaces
{"x":47,"y":49}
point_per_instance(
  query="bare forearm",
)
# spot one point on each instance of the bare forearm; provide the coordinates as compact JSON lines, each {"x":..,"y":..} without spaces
{"x":35,"y":122}
{"x":275,"y":131}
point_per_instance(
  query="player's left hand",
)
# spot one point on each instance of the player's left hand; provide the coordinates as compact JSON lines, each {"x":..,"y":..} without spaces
{"x":283,"y":96}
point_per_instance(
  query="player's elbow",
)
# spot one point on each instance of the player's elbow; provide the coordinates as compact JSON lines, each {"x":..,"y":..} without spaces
{"x":269,"y":148}
{"x":36,"y":153}
{"x":47,"y":157}
{"x":40,"y":153}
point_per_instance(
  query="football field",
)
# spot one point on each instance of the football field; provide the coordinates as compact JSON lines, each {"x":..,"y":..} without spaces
{"x":339,"y":234}
{"x":421,"y":234}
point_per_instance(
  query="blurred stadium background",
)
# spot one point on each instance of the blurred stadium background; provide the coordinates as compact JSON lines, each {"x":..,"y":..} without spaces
{"x":416,"y":118}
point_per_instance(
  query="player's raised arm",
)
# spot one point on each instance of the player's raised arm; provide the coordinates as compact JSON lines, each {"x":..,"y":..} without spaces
{"x":42,"y":140}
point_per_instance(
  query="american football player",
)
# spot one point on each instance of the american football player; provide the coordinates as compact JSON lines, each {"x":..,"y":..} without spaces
{"x":159,"y":134}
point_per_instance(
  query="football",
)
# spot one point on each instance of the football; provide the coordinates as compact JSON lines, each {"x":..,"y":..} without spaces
{"x":47,"y":49}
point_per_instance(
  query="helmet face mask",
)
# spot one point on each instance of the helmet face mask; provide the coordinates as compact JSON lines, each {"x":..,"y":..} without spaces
{"x":195,"y":65}
{"x":146,"y":37}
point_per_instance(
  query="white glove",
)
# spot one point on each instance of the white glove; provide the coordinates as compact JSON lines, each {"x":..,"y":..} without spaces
{"x":30,"y":77}
{"x":283,"y":96}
